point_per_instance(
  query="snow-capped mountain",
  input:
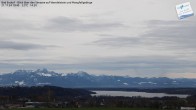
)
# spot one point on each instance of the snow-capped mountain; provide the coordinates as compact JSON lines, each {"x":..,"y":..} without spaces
{"x":83,"y":79}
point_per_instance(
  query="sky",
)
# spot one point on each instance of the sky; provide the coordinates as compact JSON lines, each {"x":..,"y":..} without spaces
{"x":137,"y":38}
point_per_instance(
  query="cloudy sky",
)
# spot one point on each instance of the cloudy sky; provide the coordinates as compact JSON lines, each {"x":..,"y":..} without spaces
{"x":128,"y":37}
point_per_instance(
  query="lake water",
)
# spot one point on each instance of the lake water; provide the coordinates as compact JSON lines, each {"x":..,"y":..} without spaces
{"x":131,"y":94}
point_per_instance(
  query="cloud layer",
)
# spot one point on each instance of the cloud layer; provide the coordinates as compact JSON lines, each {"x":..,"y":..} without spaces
{"x":119,"y":38}
{"x":22,"y":46}
{"x":64,"y":24}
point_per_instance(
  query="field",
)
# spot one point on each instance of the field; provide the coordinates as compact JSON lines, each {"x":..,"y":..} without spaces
{"x":87,"y":109}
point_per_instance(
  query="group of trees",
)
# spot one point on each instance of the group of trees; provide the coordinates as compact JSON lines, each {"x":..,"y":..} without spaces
{"x":62,"y":97}
{"x":159,"y":103}
{"x":39,"y":93}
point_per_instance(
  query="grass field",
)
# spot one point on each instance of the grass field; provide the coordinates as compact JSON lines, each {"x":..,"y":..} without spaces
{"x":87,"y":109}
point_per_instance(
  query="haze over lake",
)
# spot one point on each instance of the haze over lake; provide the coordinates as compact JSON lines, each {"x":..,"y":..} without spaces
{"x":132,"y":94}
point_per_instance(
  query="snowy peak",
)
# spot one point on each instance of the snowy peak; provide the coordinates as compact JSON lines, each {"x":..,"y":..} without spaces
{"x":83,"y":79}
{"x":45,"y":72}
{"x":78,"y":74}
{"x":40,"y":72}
{"x":82,"y":74}
{"x":22,"y":72}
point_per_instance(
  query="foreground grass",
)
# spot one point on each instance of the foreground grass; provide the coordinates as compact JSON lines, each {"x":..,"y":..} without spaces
{"x":86,"y":109}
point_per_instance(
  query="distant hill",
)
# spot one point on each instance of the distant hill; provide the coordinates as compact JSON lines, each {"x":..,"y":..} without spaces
{"x":81,"y":79}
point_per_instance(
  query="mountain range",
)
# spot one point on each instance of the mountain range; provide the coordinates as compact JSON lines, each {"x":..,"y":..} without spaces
{"x":82,"y":79}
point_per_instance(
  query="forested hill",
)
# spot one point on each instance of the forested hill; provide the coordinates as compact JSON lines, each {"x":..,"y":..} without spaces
{"x":35,"y":91}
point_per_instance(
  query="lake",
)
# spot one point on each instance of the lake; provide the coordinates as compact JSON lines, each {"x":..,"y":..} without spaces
{"x":131,"y":94}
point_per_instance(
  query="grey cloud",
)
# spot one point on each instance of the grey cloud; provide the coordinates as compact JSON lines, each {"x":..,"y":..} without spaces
{"x":162,"y":34}
{"x":119,"y":41}
{"x":22,"y":46}
{"x":169,"y":23}
{"x":23,"y":60}
{"x":15,"y":24}
{"x":153,"y":65}
{"x":179,"y":36}
{"x":143,"y":64}
{"x":57,"y":24}
{"x":18,"y":0}
{"x":69,"y":24}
